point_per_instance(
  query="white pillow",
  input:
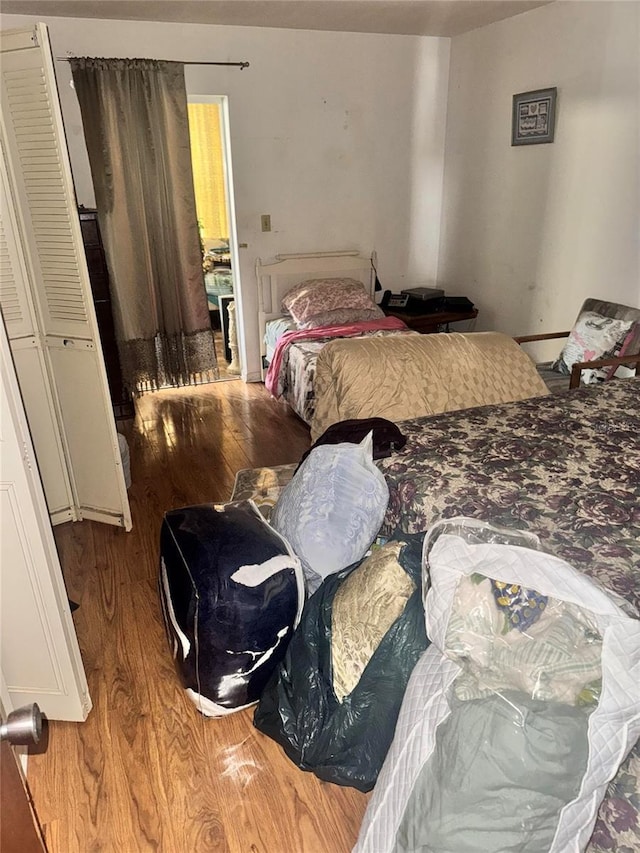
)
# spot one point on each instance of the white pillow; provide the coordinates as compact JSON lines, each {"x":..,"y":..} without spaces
{"x":593,"y":337}
{"x":333,"y":508}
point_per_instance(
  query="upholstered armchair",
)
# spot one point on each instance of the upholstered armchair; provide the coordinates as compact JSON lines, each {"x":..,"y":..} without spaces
{"x":605,"y":337}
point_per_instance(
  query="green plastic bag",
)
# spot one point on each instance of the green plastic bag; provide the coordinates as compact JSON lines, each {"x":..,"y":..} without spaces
{"x":343,"y":742}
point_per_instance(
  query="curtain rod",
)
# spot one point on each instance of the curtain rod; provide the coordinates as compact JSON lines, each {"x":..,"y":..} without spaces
{"x":239,"y":65}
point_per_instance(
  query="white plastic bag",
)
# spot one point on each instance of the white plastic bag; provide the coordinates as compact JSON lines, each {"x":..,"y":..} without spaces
{"x":332,"y":509}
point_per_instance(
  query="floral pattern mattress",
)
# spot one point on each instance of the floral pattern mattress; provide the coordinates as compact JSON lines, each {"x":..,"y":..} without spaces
{"x":298,"y":374}
{"x":566,"y":467}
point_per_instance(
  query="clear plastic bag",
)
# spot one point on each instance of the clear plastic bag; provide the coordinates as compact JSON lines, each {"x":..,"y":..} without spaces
{"x":514,"y":747}
{"x":520,"y":711}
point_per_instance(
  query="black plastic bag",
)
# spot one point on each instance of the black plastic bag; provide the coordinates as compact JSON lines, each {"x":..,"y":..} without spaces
{"x":231,"y":592}
{"x":346,"y":742}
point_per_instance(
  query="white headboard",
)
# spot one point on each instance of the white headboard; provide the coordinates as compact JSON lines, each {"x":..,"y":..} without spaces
{"x":276,"y":278}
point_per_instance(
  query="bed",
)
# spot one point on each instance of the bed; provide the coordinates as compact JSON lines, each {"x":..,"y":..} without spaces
{"x":289,"y":349}
{"x":565,"y":467}
{"x":419,"y":375}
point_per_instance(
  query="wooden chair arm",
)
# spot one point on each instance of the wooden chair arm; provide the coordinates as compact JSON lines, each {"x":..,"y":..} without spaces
{"x":578,"y":367}
{"x":548,"y":336}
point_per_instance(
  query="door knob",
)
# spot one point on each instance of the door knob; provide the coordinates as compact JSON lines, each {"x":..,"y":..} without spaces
{"x":23,"y":726}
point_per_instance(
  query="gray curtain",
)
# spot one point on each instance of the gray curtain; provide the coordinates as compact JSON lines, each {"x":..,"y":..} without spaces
{"x":134,"y":113}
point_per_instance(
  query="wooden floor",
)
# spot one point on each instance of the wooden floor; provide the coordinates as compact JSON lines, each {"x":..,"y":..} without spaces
{"x":223,"y":364}
{"x":146,"y":771}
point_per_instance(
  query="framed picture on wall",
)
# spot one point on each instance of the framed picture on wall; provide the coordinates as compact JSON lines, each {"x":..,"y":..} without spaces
{"x":533,"y":120}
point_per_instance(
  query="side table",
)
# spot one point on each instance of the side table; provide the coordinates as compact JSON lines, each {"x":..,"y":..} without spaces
{"x":436,"y":321}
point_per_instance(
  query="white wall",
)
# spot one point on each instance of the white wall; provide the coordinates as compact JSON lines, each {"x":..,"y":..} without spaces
{"x":338,"y":136}
{"x":528,"y":232}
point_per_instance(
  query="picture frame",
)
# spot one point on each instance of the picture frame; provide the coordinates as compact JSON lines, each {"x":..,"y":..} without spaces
{"x":533,"y":117}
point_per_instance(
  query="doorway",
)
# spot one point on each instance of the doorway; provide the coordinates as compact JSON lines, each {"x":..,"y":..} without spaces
{"x":211,"y":163}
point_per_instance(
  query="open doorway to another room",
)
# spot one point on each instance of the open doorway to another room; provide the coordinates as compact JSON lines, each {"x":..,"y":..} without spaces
{"x":210,"y":160}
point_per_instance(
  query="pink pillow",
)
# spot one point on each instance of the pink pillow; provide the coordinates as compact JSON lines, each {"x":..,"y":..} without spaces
{"x":320,"y":295}
{"x":343,"y":316}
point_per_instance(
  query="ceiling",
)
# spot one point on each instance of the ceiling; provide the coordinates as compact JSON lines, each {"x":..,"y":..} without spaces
{"x":404,"y":17}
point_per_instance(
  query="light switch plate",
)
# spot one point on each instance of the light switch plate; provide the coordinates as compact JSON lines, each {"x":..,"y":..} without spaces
{"x":265,"y":221}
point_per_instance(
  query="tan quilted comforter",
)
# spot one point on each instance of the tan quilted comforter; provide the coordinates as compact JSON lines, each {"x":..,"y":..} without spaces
{"x":408,"y":376}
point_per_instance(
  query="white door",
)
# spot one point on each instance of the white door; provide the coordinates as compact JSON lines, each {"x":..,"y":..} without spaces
{"x":27,"y":347}
{"x":39,"y":654}
{"x":64,"y":345}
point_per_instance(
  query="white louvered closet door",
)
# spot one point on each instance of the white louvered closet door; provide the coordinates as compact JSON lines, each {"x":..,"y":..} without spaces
{"x":29,"y":359}
{"x":58,"y":298}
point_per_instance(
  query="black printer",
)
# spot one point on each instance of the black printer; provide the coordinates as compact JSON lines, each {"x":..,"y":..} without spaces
{"x":424,"y":300}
